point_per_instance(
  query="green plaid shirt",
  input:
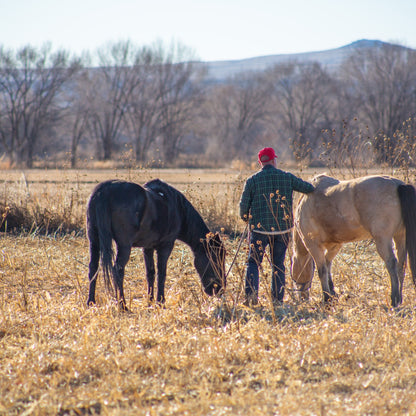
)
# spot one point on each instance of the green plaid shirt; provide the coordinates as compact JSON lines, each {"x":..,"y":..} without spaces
{"x":267,"y":199}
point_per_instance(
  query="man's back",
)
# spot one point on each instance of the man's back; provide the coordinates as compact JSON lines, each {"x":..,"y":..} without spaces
{"x":267,"y":199}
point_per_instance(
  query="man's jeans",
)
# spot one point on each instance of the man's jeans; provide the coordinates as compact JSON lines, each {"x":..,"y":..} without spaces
{"x":278,"y":245}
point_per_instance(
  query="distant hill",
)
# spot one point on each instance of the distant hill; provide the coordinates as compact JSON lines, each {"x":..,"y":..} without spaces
{"x":330,"y":59}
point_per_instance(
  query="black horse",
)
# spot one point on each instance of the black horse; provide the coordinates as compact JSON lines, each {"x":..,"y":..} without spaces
{"x":152,"y":217}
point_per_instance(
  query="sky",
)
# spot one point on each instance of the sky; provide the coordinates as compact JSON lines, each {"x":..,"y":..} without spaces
{"x":211,"y":30}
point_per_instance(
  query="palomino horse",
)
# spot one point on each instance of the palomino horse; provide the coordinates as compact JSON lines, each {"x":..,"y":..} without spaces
{"x":372,"y":207}
{"x":152,"y":217}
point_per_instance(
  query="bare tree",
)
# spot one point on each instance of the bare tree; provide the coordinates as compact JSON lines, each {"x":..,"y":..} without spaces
{"x":31,"y":88}
{"x":142,"y":117}
{"x":384,"y":81}
{"x":77,"y":118}
{"x":179,"y":98}
{"x":238,"y":111}
{"x":180,"y":94}
{"x":163,"y":99}
{"x":302,"y":96}
{"x":113,"y":85}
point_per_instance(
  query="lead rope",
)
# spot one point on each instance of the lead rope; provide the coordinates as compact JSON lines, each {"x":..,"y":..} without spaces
{"x":237,"y":251}
{"x":224,"y":307}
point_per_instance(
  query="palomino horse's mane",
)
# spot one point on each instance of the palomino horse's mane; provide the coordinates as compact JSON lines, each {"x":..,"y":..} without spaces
{"x":323,"y":181}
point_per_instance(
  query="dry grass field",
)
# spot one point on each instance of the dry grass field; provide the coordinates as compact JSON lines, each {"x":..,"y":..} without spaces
{"x":197,"y":355}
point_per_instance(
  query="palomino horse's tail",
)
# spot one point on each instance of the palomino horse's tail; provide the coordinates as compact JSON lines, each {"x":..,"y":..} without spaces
{"x":407,"y":196}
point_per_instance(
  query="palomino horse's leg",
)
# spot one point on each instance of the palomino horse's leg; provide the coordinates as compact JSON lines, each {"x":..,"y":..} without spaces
{"x":150,"y":271}
{"x":330,"y":281}
{"x":330,"y":255}
{"x":385,"y":250}
{"x":93,"y":265}
{"x":163,"y":253}
{"x":302,"y":272}
{"x":302,"y":266}
{"x":123,"y":255}
{"x":400,"y":242}
{"x":318,"y":255}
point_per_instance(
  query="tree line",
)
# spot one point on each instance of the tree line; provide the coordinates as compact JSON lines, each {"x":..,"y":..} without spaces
{"x":154,"y":104}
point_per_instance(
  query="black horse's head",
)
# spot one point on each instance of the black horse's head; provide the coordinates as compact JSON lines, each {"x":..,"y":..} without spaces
{"x":210,"y":264}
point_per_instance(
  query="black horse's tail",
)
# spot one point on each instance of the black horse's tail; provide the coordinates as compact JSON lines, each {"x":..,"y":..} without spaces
{"x":103,"y":223}
{"x":407,"y":197}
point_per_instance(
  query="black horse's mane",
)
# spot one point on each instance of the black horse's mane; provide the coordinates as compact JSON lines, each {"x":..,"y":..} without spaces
{"x":193,"y":227}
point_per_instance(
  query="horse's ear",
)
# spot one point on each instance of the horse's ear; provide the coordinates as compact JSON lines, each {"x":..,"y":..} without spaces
{"x":214,"y":240}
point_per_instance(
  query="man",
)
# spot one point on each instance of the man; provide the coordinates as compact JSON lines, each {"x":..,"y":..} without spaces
{"x":266,"y":203}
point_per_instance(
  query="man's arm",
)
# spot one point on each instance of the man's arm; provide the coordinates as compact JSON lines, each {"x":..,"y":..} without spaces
{"x":245,"y":202}
{"x":300,"y":185}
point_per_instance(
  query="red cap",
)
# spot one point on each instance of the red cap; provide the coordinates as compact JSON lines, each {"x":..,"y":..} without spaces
{"x":266,"y":155}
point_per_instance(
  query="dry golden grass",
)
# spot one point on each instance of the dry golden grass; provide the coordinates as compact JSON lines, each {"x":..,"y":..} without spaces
{"x":197,"y":355}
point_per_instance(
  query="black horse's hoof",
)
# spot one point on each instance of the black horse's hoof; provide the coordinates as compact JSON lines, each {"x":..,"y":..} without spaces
{"x":123,"y":308}
{"x":396,"y":300}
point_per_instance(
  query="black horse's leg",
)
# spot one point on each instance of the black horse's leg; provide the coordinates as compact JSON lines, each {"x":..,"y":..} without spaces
{"x":94,"y":263}
{"x":123,"y":255}
{"x":163,"y":254}
{"x":150,"y":271}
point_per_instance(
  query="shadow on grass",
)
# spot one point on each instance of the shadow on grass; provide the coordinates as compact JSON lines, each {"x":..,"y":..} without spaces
{"x":283,"y":314}
{"x":302,"y":313}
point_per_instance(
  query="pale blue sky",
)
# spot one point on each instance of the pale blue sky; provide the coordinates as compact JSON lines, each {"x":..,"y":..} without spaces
{"x":213,"y":29}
